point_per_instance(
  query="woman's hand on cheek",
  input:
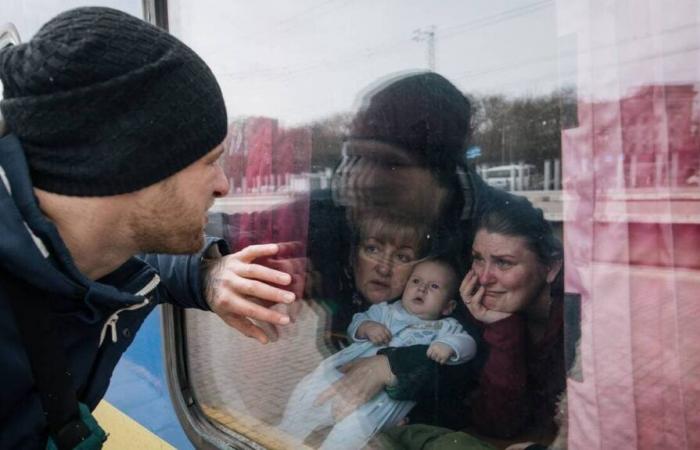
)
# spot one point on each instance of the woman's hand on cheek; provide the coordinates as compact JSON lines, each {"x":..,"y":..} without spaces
{"x":473,"y":299}
{"x":364,"y":378}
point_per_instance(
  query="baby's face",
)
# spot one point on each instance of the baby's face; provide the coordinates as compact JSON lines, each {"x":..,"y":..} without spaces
{"x":427,"y":293}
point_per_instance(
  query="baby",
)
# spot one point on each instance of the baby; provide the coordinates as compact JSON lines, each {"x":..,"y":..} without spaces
{"x":418,"y":319}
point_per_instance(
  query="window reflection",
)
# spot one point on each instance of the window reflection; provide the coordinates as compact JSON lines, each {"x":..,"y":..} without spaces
{"x":590,"y":113}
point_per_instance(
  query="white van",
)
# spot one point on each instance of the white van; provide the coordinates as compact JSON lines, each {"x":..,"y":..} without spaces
{"x":512,"y":177}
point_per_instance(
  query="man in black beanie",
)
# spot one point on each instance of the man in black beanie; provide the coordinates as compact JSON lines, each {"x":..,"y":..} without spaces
{"x":114,"y":129}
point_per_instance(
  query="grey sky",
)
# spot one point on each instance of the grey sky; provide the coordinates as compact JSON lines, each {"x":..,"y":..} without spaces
{"x":303,"y":60}
{"x":306,"y":59}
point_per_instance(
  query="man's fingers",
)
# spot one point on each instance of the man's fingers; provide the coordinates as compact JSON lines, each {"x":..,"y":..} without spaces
{"x":262,"y":273}
{"x":248,"y":308}
{"x":269,"y":330}
{"x":246,"y":327}
{"x":260,"y":290}
{"x":253,"y":252}
{"x":286,"y":265}
{"x":290,"y":249}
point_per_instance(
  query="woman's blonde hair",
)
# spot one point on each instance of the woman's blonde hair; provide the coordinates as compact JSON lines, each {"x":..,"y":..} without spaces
{"x":391,"y":228}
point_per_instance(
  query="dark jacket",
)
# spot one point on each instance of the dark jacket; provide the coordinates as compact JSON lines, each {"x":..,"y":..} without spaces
{"x":521,"y":380}
{"x":96,"y":320}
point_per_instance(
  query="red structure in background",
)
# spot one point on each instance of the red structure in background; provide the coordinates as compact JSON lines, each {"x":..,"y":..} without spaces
{"x":632,"y":241}
{"x":260,"y":157}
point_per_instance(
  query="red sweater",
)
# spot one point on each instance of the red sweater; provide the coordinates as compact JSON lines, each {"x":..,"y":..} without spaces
{"x":521,"y":380}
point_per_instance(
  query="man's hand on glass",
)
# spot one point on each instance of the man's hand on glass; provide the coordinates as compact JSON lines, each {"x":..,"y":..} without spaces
{"x":258,"y":283}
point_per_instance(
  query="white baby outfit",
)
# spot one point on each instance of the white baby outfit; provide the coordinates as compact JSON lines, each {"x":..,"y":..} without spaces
{"x":301,"y":417}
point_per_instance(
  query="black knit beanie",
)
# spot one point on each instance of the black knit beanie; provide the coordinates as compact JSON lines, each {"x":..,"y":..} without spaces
{"x":423,"y":113}
{"x":105,"y":103}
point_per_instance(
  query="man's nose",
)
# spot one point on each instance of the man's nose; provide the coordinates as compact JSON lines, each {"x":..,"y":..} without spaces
{"x":221,"y":185}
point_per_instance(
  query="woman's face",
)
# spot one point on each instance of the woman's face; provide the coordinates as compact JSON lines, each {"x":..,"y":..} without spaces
{"x":382,"y":268}
{"x":511,"y":273}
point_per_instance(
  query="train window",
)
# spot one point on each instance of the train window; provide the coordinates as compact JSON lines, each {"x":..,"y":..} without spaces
{"x":373,"y":171}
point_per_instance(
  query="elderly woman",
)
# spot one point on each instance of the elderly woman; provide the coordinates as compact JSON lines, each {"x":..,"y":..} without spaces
{"x":513,"y":292}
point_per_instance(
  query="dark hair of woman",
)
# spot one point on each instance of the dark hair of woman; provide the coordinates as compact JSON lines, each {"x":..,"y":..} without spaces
{"x":515,"y":216}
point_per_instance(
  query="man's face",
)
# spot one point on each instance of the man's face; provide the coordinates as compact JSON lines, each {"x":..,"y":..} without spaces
{"x":169,"y":216}
{"x":376,"y":175}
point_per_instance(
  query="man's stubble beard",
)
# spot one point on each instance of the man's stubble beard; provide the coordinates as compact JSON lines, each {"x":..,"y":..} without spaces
{"x":167,"y":227}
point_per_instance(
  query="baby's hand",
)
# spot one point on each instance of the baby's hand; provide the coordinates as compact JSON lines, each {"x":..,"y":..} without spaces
{"x":440,"y":352}
{"x":377,"y":333}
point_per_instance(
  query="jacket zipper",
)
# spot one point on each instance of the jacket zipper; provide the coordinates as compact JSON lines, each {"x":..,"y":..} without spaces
{"x":38,"y":242}
{"x":112,"y":320}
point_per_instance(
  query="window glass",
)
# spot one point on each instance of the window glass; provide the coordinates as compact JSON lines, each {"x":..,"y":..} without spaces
{"x":341,"y":147}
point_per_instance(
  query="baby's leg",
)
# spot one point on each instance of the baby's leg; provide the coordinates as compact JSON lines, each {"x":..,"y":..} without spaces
{"x":354,"y":431}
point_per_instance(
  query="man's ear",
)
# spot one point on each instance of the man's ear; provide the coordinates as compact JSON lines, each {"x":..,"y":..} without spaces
{"x":451,"y":305}
{"x":553,"y":270}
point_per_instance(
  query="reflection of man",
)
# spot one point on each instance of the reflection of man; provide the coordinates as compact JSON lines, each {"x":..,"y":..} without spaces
{"x":403,"y":147}
{"x":115,"y":131}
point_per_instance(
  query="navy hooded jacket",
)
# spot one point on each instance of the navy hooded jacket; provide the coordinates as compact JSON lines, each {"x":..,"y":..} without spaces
{"x":96,"y":320}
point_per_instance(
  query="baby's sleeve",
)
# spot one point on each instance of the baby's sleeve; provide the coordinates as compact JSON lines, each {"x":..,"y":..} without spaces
{"x":460,"y":341}
{"x":375,"y":313}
